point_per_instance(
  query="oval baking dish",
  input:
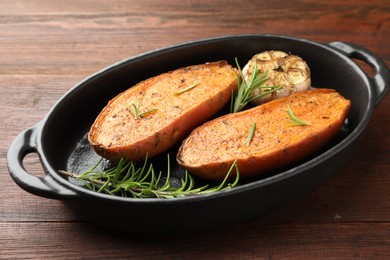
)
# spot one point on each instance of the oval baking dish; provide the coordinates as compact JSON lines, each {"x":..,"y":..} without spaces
{"x":60,"y":138}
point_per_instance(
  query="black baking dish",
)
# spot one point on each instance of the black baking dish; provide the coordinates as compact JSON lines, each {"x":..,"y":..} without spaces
{"x":59,"y":139}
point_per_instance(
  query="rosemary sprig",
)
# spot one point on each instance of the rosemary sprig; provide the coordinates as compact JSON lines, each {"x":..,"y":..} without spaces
{"x":243,"y":95}
{"x":251,"y":133}
{"x":127,"y":180}
{"x":186,"y":88}
{"x":134,"y":109}
{"x":293,"y":119}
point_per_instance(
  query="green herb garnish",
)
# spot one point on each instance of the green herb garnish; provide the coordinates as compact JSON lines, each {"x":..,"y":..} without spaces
{"x":243,"y":95}
{"x":127,"y":180}
{"x":251,"y":133}
{"x":186,"y":88}
{"x":134,"y":109}
{"x":293,"y":119}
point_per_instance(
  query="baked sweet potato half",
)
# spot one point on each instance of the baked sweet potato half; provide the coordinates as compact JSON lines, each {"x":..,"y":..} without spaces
{"x":157,"y":113}
{"x":274,"y":142}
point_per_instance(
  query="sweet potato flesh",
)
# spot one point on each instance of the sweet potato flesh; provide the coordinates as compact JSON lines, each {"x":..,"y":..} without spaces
{"x":211,"y":149}
{"x":166,"y":111}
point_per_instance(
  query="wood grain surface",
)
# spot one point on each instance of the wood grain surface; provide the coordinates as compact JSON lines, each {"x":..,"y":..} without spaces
{"x":47,"y":47}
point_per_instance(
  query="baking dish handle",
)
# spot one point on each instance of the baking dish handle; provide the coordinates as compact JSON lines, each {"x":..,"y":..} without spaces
{"x":24,"y":144}
{"x":381,"y":80}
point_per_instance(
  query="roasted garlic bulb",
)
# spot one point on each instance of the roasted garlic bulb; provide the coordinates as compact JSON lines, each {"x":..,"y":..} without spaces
{"x":286,"y":70}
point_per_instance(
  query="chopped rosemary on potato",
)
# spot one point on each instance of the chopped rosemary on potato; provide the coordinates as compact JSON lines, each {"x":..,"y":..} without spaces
{"x":243,"y":95}
{"x":186,"y":88}
{"x":251,"y":133}
{"x":127,"y":180}
{"x":134,"y":109}
{"x":293,"y":119}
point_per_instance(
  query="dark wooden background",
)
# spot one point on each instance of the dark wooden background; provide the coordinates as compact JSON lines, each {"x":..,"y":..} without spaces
{"x":46,"y":47}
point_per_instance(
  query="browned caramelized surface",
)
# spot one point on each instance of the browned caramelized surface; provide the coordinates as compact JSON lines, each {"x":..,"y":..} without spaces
{"x":118,"y":131}
{"x":217,"y":144}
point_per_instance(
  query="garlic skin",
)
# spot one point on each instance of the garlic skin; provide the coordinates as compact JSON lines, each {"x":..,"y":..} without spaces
{"x":286,"y":70}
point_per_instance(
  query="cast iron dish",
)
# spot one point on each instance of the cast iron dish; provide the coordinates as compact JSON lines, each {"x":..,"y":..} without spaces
{"x":60,"y":138}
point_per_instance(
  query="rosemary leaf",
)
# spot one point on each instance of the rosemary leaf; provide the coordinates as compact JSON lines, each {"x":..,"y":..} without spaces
{"x":223,"y":185}
{"x":134,"y":109}
{"x":186,"y":88}
{"x":251,"y":133}
{"x":147,"y":112}
{"x":295,"y":121}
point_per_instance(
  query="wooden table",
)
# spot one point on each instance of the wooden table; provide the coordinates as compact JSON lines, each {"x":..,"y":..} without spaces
{"x":46,"y":47}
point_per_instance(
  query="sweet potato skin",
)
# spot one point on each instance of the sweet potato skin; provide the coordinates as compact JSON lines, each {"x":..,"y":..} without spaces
{"x":212,"y":148}
{"x":118,"y":133}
